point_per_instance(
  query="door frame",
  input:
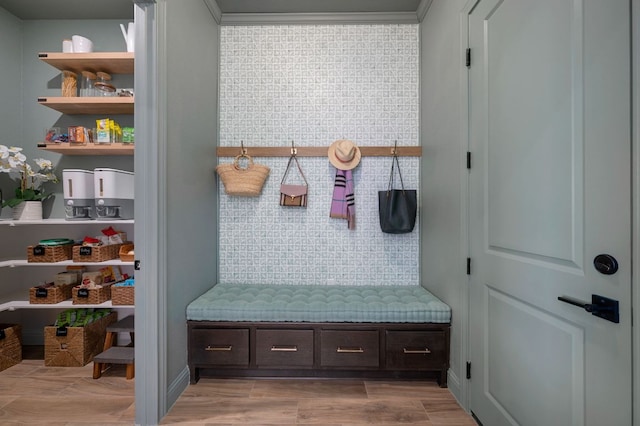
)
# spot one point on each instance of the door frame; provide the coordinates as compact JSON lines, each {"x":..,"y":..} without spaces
{"x":150,"y":232}
{"x":635,"y":190}
{"x":465,"y":141}
{"x":635,"y":203}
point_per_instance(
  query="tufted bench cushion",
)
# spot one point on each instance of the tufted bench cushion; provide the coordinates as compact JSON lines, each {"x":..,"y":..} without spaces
{"x":305,"y":303}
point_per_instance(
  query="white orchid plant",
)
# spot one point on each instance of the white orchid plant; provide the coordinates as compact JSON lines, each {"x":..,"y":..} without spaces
{"x":14,"y":162}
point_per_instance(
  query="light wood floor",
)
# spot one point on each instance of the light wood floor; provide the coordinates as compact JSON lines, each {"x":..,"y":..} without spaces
{"x":31,"y":393}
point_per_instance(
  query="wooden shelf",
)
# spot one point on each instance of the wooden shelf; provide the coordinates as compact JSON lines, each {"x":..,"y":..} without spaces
{"x":89,"y":149}
{"x":316,"y":151}
{"x":109,"y":62}
{"x":90,"y":105}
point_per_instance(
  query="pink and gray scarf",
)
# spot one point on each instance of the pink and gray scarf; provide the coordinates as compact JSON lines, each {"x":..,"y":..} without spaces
{"x":343,"y":201}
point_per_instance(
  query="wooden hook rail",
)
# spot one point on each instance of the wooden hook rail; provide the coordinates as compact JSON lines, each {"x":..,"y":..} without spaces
{"x":315,"y":151}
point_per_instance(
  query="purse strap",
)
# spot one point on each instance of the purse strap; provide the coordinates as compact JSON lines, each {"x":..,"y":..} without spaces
{"x":394,"y":162}
{"x":293,"y":157}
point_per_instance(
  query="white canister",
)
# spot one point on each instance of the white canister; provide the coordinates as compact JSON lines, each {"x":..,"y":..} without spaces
{"x":67,"y":46}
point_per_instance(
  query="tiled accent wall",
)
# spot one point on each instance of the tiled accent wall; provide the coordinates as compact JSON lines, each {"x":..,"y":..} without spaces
{"x":315,"y":84}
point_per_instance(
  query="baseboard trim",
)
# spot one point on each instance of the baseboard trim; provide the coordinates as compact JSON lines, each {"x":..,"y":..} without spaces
{"x":177,"y":387}
{"x":453,"y":383}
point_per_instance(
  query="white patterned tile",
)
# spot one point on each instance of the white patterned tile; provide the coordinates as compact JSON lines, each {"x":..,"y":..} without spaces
{"x":313,"y":85}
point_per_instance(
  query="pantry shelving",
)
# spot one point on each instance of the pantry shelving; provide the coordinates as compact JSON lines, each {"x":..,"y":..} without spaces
{"x":13,"y":263}
{"x":67,"y":304}
{"x":15,"y":288}
{"x":89,"y":149}
{"x":89,"y":105}
{"x":110,"y":62}
{"x":10,"y":222}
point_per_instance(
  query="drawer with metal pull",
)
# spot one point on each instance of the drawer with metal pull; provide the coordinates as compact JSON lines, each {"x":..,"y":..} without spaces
{"x":284,"y":348}
{"x":220,"y":346}
{"x":344,"y":349}
{"x":415,"y":350}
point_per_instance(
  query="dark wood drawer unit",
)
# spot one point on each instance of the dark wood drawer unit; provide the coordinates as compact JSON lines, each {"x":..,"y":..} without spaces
{"x":415,"y":350}
{"x":220,"y":347}
{"x":336,"y":350}
{"x":342,"y":349}
{"x":284,"y":348}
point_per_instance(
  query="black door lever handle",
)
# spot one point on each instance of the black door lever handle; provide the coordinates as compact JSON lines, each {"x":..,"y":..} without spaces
{"x":600,"y":306}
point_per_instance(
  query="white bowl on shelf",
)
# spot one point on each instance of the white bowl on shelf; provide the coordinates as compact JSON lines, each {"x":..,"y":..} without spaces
{"x":81,"y":44}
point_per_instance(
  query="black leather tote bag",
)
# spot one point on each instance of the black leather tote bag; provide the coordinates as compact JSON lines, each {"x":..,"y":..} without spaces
{"x":397,"y":207}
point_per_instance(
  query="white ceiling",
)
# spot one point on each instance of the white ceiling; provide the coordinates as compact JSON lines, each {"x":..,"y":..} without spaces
{"x":123,"y":9}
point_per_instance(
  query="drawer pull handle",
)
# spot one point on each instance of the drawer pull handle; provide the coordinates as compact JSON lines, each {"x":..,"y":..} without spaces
{"x":219,"y":348}
{"x":284,"y":349}
{"x":342,"y":350}
{"x":416,"y":351}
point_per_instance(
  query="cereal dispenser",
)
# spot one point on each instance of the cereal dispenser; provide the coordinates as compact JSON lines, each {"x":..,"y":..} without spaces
{"x":113,"y":190}
{"x":78,"y":194}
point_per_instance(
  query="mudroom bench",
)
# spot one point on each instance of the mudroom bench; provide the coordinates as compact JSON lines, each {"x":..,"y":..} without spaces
{"x":318,"y":331}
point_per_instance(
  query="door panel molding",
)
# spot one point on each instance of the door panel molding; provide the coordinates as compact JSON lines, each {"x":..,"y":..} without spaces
{"x":507,"y":196}
{"x":537,"y":338}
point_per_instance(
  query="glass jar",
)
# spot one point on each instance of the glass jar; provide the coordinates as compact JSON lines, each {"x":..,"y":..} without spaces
{"x":69,"y":84}
{"x":103,"y":85}
{"x":87,"y":84}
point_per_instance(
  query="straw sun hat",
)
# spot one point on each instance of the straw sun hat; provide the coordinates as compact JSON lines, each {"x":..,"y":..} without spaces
{"x":344,"y":154}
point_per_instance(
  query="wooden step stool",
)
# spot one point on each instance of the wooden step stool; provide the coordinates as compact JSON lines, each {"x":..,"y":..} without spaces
{"x":116,"y":354}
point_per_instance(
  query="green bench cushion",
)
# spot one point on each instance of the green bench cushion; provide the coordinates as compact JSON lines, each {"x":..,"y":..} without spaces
{"x":305,"y":303}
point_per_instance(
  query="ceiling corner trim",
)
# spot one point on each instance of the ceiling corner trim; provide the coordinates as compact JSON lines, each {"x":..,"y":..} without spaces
{"x":423,"y":8}
{"x":215,"y":10}
{"x":319,"y":18}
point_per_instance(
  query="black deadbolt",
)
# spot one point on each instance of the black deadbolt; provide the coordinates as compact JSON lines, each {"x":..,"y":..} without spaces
{"x":606,"y":264}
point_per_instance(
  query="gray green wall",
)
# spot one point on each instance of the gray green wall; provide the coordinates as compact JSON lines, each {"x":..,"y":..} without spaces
{"x":10,"y":85}
{"x":190,"y":69}
{"x":443,"y":172}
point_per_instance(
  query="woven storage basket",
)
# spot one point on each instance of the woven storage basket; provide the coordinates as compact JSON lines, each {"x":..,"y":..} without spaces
{"x":245,"y":182}
{"x":80,"y":344}
{"x":51,"y":295}
{"x":124,"y":253}
{"x":91,"y":296}
{"x":122,"y":295}
{"x":10,"y":345}
{"x":96,"y":254}
{"x":49,"y":254}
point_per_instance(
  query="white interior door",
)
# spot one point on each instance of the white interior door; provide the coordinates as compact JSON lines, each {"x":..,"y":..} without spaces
{"x":549,"y":190}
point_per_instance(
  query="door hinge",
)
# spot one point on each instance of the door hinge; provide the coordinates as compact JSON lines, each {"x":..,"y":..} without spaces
{"x":136,"y":265}
{"x":468,"y":58}
{"x":468,"y":266}
{"x":469,"y":160}
{"x":468,"y":370}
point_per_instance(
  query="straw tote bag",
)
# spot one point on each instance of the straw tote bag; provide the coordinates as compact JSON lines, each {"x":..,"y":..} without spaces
{"x":245,"y":182}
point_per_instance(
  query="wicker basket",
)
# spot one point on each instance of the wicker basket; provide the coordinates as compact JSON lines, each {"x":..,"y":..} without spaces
{"x":49,"y":254}
{"x":122,"y":295}
{"x":246,"y":182}
{"x":96,"y":254}
{"x":124,"y":253}
{"x":10,"y":345}
{"x":78,"y":345}
{"x":51,"y":295}
{"x":91,"y":296}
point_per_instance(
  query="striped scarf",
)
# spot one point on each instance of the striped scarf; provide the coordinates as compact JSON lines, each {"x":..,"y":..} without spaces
{"x":343,"y":201}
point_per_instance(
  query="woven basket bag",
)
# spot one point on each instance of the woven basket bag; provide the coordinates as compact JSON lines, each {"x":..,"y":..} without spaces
{"x":246,"y":182}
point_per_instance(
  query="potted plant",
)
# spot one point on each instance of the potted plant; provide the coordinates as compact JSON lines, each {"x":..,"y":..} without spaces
{"x":27,"y":203}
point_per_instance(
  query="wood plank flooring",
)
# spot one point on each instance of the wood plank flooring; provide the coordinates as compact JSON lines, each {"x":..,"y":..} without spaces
{"x":31,"y":393}
{"x":316,"y":402}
